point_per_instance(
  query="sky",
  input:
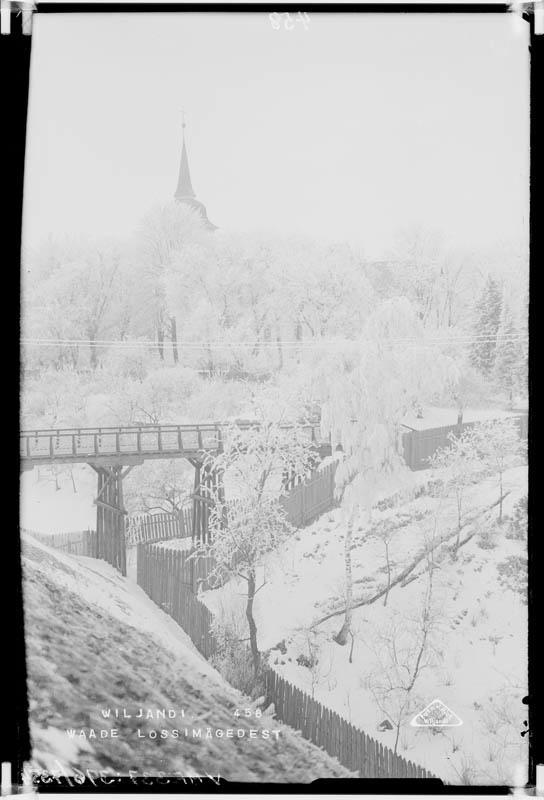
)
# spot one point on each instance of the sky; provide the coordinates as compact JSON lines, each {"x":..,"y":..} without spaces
{"x":352,"y":127}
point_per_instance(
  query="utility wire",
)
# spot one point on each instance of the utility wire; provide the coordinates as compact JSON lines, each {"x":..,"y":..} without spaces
{"x":266,"y":344}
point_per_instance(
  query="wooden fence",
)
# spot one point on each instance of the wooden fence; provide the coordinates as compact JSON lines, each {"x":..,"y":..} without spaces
{"x":307,"y":501}
{"x":167,"y":576}
{"x":302,"y":504}
{"x":78,"y":543}
{"x":420,"y":446}
{"x":141,"y":528}
{"x":352,"y":747}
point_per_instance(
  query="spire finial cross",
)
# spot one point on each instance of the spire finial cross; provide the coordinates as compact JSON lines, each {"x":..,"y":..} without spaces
{"x":183,"y":124}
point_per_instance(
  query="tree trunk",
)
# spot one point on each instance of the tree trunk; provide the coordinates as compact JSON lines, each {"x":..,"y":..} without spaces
{"x":459,"y":520}
{"x":211,"y":365}
{"x":388,"y":573}
{"x":174,"y":337}
{"x":298,"y":337}
{"x":251,"y":622}
{"x":342,"y":635}
{"x":94,"y":354}
{"x":459,"y":416}
{"x":74,"y":356}
{"x":280,"y":350}
{"x":397,"y":738}
{"x":160,"y":340}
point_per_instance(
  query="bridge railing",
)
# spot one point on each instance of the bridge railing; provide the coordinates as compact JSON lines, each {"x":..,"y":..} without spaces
{"x":129,"y":441}
{"x":79,"y":443}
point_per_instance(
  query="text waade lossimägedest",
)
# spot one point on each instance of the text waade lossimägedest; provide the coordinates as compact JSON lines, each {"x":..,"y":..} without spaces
{"x":187,"y":731}
{"x":178,"y":733}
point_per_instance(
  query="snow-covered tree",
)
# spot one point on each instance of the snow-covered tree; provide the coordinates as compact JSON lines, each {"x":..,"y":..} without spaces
{"x":459,"y":459}
{"x":405,"y":648}
{"x":509,"y":360}
{"x":247,"y":527}
{"x":465,"y":387}
{"x":418,"y":255}
{"x":165,"y":236}
{"x":81,"y":293}
{"x":56,"y":400}
{"x":486,"y":324}
{"x":384,"y":531}
{"x":498,"y":443}
{"x":159,"y":486}
{"x":366,"y":394}
{"x":327,"y":289}
{"x":433,"y":275}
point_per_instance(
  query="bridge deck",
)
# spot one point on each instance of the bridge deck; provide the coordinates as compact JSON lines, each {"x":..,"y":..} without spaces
{"x":125,"y":445}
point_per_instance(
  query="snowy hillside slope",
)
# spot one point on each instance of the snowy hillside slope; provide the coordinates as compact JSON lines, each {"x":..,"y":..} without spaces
{"x":477,"y":664}
{"x":96,"y":642}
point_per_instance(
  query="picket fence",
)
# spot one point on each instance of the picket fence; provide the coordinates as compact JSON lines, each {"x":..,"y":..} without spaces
{"x":77,"y":543}
{"x":302,"y":505}
{"x":165,"y":576}
{"x":141,"y":528}
{"x":307,"y":501}
{"x":354,"y":749}
{"x":168,"y":577}
{"x":420,"y":446}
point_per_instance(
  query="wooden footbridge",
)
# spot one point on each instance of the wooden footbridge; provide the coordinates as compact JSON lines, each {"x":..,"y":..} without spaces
{"x":113,"y":452}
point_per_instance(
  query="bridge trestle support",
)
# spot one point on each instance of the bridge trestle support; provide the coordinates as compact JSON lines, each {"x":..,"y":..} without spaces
{"x":110,"y":516}
{"x":208,"y":485}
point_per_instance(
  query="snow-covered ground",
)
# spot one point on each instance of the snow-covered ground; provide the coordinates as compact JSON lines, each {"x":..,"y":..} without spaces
{"x":44,"y":508}
{"x":477,"y":661}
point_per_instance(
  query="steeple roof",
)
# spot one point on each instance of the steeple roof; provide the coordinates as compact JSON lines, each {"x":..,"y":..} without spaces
{"x":185,"y":187}
{"x":185,"y":192}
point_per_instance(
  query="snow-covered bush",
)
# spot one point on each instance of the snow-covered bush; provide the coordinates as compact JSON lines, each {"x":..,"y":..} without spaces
{"x":133,"y":363}
{"x":487,"y":538}
{"x":519,"y":520}
{"x":161,"y":397}
{"x":57,"y":399}
{"x":217,"y":399}
{"x":233,"y":656}
{"x":513,"y":574}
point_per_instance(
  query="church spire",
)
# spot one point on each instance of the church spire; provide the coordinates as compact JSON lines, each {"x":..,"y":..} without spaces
{"x":185,"y":187}
{"x":185,"y":192}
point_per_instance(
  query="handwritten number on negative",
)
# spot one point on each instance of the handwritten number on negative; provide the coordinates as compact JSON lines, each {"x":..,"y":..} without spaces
{"x":286,"y":21}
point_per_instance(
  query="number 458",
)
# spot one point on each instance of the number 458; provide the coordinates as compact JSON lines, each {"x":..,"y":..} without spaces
{"x":288,"y":21}
{"x":248,"y":712}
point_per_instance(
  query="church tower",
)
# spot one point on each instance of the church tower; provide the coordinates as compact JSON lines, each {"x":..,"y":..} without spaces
{"x":185,"y":192}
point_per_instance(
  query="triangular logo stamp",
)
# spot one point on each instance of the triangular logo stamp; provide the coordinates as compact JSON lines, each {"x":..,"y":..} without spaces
{"x":436,"y":715}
